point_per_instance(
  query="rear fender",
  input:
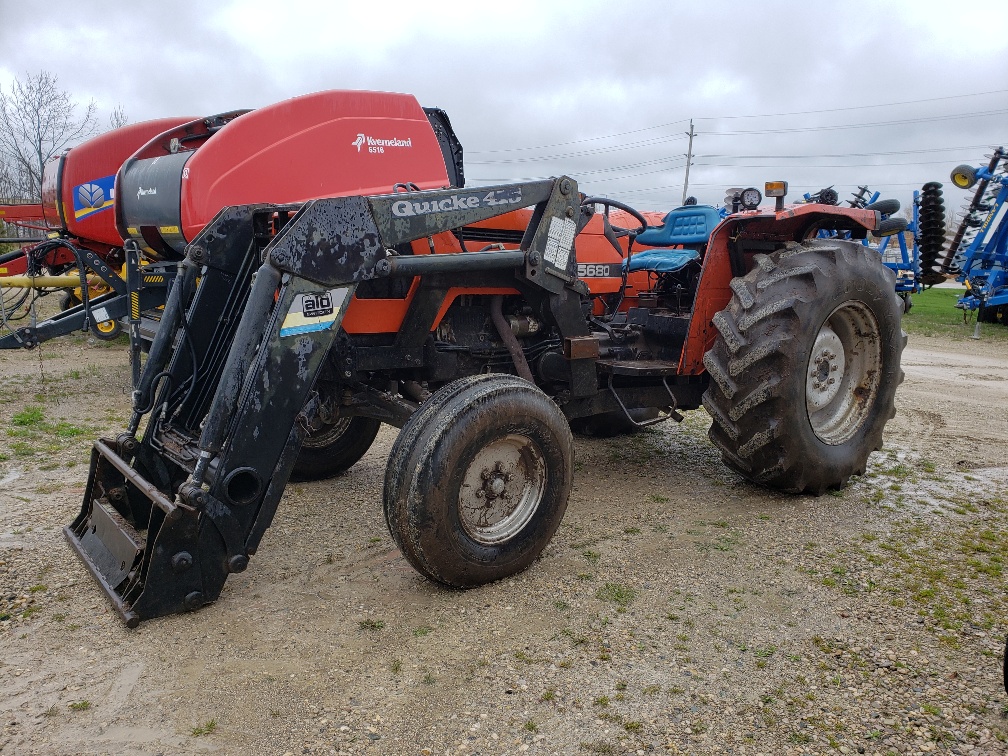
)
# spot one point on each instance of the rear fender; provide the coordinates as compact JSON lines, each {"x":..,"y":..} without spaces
{"x":730,"y":253}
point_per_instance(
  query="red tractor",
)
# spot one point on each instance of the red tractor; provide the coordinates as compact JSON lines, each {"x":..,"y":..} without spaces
{"x":485,"y":322}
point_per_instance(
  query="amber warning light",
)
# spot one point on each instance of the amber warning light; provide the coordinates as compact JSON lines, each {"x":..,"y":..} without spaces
{"x":776,"y":189}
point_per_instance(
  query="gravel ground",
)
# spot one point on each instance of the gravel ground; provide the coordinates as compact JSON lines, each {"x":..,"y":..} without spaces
{"x":678,"y":609}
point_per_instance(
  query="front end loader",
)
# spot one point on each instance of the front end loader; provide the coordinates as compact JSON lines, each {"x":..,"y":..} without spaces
{"x":288,"y":320}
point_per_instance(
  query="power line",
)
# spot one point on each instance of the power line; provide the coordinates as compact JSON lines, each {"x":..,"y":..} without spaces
{"x":854,"y":154}
{"x":612,"y":169}
{"x":579,"y":175}
{"x":579,"y":141}
{"x":821,"y":165}
{"x":584,"y":153}
{"x":737,"y":117}
{"x":857,"y":107}
{"x":677,"y":164}
{"x":673,"y":138}
{"x":876,"y":124}
{"x":673,"y":188}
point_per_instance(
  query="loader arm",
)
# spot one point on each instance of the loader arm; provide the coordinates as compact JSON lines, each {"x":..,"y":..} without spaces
{"x":227,"y":392}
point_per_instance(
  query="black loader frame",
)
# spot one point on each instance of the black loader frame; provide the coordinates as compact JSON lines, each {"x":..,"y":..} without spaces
{"x":167,"y":516}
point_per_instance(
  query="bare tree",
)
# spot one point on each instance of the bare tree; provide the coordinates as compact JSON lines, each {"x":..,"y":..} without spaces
{"x":37,"y":121}
{"x":118,"y":117}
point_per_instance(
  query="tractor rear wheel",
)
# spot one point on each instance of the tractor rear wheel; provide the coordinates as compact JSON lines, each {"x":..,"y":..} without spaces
{"x":805,"y":366}
{"x":478,"y":483}
{"x":335,"y":448}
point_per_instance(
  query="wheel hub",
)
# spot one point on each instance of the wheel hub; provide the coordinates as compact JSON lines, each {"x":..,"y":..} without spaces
{"x":844,"y":373}
{"x":495,"y":483}
{"x":826,"y":370}
{"x":501,"y":489}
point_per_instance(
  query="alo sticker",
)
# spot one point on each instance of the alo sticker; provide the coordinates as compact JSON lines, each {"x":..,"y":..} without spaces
{"x":316,"y":305}
{"x":314,"y":311}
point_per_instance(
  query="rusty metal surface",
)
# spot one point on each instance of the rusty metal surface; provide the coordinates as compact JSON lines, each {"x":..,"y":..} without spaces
{"x":148,"y":489}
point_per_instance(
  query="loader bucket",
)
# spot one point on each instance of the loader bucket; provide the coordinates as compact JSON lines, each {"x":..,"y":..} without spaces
{"x":122,"y":515}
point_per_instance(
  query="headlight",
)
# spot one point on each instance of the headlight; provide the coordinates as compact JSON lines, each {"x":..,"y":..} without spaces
{"x":751,"y":198}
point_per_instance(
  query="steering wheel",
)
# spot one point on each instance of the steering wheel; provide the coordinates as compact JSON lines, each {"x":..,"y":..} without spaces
{"x":611,"y":203}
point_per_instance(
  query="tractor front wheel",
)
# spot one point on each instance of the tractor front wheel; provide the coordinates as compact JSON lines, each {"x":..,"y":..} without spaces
{"x":335,"y":448}
{"x":805,"y":366}
{"x":478,"y":480}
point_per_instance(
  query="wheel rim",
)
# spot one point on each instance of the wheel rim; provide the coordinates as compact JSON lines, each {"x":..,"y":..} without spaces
{"x":106,"y":326}
{"x":502,"y":489}
{"x":844,"y":373}
{"x":327,"y":434}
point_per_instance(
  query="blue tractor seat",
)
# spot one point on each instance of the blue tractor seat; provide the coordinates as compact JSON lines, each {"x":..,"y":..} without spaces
{"x":661,"y":260}
{"x":691,"y":224}
{"x":688,"y":226}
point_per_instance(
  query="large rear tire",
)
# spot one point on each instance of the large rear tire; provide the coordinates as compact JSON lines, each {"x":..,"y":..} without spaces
{"x":478,"y":482}
{"x":335,"y":448}
{"x":805,"y":366}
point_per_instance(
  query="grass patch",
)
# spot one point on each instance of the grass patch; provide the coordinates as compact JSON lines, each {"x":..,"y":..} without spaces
{"x":934,"y":314}
{"x":81,"y":705}
{"x":621,"y":595}
{"x":372,"y":624}
{"x":30,"y":417}
{"x":599,"y":746}
{"x":204,"y":729}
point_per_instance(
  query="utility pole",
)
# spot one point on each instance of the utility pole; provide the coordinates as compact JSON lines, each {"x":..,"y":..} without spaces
{"x":689,"y":160}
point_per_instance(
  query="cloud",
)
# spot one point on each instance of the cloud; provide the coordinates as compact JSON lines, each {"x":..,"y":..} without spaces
{"x":619,"y":81}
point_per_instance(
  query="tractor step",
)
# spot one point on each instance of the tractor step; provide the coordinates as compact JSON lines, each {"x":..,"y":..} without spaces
{"x":639,"y":368}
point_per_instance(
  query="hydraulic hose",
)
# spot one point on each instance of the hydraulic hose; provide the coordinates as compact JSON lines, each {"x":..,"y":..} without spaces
{"x":508,"y":337}
{"x":246,"y":339}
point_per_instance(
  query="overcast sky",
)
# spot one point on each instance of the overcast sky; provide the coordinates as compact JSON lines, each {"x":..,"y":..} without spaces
{"x":891,"y":94}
